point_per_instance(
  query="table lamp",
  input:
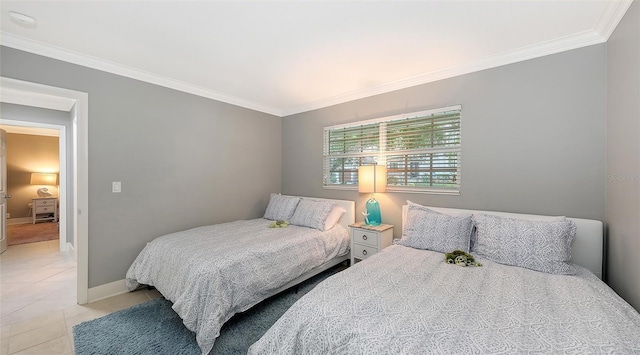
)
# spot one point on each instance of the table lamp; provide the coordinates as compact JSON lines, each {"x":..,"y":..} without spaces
{"x":372,"y":179}
{"x":44,"y":179}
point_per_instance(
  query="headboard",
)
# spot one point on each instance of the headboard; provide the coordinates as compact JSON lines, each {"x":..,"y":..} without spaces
{"x":348,"y":217}
{"x":586,"y":248}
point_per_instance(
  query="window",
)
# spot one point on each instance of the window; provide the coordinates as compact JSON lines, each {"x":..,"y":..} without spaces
{"x":421,"y":151}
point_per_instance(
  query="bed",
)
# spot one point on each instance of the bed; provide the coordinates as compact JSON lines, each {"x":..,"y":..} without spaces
{"x":212,"y":272}
{"x":410,"y":300}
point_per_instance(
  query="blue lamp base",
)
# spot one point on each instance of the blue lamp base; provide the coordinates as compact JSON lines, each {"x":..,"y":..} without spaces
{"x":373,"y":212}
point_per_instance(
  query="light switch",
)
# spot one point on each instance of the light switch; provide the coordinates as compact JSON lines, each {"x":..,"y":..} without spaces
{"x":116,"y":186}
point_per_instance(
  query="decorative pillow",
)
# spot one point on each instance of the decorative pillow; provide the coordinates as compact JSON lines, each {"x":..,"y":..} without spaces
{"x":533,"y":244}
{"x":472,"y":243}
{"x":427,"y":229}
{"x":527,"y":218}
{"x":334,"y":217}
{"x":312,"y":214}
{"x":281,"y":207}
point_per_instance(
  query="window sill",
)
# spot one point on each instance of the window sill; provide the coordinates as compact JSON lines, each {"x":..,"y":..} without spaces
{"x":399,"y":189}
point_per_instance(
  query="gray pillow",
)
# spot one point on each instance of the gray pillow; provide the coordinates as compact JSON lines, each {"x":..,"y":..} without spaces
{"x":312,"y":214}
{"x":537,"y":245}
{"x":281,"y":207}
{"x":472,"y":246}
{"x":427,"y":229}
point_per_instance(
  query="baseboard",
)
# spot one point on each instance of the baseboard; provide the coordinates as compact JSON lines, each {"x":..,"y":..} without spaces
{"x":22,"y":220}
{"x":105,"y":291}
{"x":66,"y":247}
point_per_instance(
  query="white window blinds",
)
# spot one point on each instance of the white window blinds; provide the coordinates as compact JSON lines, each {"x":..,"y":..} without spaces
{"x":421,"y":151}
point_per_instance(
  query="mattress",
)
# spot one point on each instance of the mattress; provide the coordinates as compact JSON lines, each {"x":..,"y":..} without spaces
{"x":212,"y":272}
{"x":409,"y":301}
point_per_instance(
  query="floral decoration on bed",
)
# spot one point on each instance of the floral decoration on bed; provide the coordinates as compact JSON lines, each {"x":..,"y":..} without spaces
{"x":460,"y":258}
{"x":279,"y":224}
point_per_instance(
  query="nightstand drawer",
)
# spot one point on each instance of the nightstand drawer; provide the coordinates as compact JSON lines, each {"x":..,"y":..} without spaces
{"x":368,"y":240}
{"x":45,"y":209}
{"x":48,"y":202}
{"x":363,"y":251}
{"x":365,"y":237}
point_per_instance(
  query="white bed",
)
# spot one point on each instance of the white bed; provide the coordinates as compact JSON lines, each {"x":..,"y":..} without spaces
{"x":405,"y":300}
{"x":211,"y":273}
{"x":586,"y":249}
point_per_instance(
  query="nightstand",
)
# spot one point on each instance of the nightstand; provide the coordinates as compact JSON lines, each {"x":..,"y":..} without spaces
{"x":44,"y":209}
{"x":368,"y":240}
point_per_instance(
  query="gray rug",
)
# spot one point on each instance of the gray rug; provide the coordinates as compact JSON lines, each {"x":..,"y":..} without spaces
{"x":154,"y":328}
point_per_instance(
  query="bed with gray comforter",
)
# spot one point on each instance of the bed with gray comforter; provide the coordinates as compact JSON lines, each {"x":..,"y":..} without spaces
{"x":212,"y":272}
{"x":410,"y":301}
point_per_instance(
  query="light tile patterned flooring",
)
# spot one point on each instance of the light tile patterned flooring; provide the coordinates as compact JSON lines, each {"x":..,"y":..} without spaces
{"x":38,"y":300}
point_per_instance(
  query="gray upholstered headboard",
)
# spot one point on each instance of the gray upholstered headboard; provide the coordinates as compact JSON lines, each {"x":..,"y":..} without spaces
{"x":587,"y":246}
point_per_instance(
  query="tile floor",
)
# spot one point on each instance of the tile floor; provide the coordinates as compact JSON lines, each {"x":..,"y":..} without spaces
{"x":38,"y":300}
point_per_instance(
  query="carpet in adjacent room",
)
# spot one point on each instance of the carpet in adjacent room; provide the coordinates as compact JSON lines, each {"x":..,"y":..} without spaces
{"x":154,"y":328}
{"x":31,"y":233}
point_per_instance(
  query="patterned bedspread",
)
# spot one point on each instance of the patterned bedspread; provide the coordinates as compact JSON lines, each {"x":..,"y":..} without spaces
{"x":409,"y":301}
{"x":212,"y":272}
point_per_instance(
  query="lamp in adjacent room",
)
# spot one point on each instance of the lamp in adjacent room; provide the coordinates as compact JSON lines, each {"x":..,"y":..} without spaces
{"x":46,"y":179}
{"x":372,"y":179}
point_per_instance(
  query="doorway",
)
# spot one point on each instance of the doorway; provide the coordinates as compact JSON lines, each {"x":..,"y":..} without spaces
{"x":44,"y":96}
{"x":36,"y":156}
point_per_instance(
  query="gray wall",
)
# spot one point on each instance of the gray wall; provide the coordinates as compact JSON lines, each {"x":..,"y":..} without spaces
{"x":183,"y":160}
{"x":533,"y":138}
{"x":41,"y":115}
{"x":623,"y":157}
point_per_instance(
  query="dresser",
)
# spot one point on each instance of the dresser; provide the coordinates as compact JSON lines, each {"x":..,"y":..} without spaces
{"x":44,"y":209}
{"x":368,"y":240}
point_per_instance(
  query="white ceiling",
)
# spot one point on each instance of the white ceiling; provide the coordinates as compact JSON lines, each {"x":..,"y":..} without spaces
{"x":285,"y":57}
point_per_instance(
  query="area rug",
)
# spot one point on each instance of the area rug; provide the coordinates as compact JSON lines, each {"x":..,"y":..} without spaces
{"x":31,"y":233}
{"x":154,"y":328}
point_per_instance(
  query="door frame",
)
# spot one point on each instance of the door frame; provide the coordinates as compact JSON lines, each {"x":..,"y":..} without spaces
{"x":3,"y":195}
{"x":80,"y":137}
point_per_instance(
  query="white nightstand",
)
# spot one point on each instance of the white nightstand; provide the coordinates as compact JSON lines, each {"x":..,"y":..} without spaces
{"x":368,"y":240}
{"x":44,"y":209}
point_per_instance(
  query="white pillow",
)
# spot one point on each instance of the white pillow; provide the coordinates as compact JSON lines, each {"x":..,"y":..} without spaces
{"x":533,"y":244}
{"x":281,"y":207}
{"x":312,"y":214}
{"x":334,"y":217}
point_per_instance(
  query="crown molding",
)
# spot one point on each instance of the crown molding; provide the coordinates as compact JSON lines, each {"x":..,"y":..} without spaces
{"x":39,"y":48}
{"x":579,"y":40}
{"x":611,"y":17}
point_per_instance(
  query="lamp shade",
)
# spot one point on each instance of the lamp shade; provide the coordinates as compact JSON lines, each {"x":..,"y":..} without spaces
{"x":372,"y":178}
{"x":44,"y":179}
